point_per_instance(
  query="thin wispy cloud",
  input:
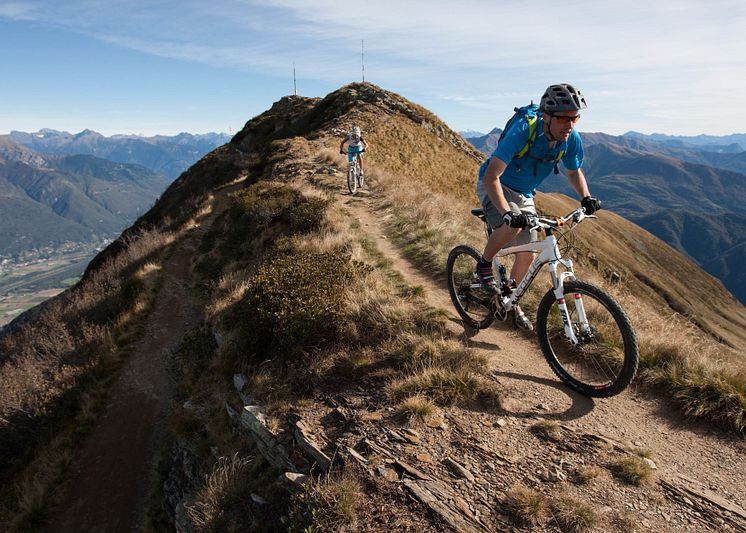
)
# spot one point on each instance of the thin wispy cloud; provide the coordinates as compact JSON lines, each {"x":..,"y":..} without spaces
{"x":466,"y":57}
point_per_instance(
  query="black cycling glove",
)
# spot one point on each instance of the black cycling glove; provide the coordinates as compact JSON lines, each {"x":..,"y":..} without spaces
{"x":517,"y":220}
{"x":591,"y":204}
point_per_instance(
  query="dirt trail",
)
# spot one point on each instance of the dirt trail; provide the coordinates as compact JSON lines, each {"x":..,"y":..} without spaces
{"x":635,"y":417}
{"x":112,"y":477}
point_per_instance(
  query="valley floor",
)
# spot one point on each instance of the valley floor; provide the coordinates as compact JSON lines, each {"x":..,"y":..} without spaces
{"x":30,"y":283}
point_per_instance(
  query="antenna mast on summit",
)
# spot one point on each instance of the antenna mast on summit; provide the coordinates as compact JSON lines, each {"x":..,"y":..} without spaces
{"x":362,"y":57}
{"x":295,"y":87}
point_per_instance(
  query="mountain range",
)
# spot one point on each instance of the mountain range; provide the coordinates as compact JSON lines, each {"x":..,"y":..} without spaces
{"x":46,"y":201}
{"x":725,"y":143}
{"x":687,"y":191}
{"x":168,"y":155}
{"x":57,"y":187}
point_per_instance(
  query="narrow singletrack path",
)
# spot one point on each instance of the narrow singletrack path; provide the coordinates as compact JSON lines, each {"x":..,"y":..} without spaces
{"x":111,"y":479}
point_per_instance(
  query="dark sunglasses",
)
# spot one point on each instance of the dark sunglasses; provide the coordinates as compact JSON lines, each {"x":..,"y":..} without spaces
{"x":566,"y":120}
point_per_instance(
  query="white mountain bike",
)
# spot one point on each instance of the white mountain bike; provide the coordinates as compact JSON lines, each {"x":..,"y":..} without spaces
{"x":584,"y":334}
{"x":355,"y":179}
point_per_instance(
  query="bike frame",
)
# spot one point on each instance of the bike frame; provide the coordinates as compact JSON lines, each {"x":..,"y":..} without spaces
{"x":355,"y":163}
{"x":549,"y":254}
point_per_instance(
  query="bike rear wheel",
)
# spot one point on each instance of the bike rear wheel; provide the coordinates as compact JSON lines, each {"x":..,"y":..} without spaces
{"x":475,"y":305}
{"x":352,"y":178}
{"x":605,"y":360}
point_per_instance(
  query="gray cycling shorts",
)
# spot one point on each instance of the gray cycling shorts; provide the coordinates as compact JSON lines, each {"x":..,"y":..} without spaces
{"x":517,"y":202}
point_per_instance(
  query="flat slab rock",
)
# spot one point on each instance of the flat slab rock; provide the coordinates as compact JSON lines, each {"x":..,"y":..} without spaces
{"x":304,"y":438}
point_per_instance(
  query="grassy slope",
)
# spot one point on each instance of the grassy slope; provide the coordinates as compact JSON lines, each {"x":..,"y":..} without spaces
{"x":423,"y":168}
{"x":650,"y":268}
{"x":423,"y":185}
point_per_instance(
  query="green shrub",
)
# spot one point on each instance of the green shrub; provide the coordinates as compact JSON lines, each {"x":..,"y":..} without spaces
{"x":261,"y":214}
{"x":294,"y":304}
{"x":263,"y":204}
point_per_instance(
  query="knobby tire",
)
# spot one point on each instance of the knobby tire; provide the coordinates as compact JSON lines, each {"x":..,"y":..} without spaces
{"x":474,"y":305}
{"x":606,"y":360}
{"x":351,"y":178}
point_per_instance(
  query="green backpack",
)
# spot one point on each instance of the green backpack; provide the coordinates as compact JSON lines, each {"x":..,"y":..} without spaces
{"x":530,"y":113}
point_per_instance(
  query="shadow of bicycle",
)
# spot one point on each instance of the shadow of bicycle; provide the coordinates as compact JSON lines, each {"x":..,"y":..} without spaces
{"x":579,"y":406}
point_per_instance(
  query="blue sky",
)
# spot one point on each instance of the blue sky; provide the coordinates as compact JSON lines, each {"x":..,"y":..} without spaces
{"x":162,"y":66}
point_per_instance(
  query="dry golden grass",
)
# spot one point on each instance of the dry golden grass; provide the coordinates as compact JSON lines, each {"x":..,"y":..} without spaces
{"x":226,"y":484}
{"x":328,"y":504}
{"x":547,"y":430}
{"x":572,"y":515}
{"x":626,"y":521}
{"x":530,"y":508}
{"x":416,"y":351}
{"x":705,"y":379}
{"x":642,"y":452}
{"x":33,"y":486}
{"x":589,"y":474}
{"x":229,"y":289}
{"x":526,"y":506}
{"x":416,"y":410}
{"x":443,"y":385}
{"x":438,"y":368}
{"x":633,"y":470}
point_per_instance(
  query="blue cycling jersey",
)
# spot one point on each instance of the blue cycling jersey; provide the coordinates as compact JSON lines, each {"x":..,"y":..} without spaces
{"x":524,"y":174}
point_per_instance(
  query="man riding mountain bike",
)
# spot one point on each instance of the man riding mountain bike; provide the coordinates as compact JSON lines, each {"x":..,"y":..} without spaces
{"x":529,"y":149}
{"x":355,"y":146}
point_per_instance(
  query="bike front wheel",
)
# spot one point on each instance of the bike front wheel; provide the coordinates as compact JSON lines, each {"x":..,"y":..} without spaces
{"x":475,"y":305}
{"x":604,"y":360}
{"x":352,"y":179}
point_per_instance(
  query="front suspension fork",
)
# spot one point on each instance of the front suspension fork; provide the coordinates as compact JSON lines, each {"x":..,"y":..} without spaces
{"x":559,"y":293}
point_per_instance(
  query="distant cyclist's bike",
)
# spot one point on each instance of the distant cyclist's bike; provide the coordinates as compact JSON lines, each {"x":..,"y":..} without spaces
{"x":355,"y":178}
{"x":585,"y":335}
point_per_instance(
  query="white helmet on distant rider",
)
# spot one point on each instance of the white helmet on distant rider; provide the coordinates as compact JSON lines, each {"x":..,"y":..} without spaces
{"x":356,"y":130}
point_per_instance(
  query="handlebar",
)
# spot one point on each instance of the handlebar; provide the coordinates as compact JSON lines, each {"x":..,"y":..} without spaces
{"x":575,"y":216}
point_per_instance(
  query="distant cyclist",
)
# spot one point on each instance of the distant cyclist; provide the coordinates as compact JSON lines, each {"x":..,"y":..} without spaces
{"x":530,"y":148}
{"x":355,"y":145}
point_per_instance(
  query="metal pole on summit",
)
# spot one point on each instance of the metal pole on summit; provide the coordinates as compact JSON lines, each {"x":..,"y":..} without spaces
{"x":295,"y":87}
{"x":362,"y":56}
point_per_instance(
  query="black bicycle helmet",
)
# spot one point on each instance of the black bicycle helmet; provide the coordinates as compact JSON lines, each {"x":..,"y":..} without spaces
{"x":562,"y":97}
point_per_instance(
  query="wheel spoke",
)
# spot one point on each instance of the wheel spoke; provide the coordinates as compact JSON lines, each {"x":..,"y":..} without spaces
{"x":472,"y":303}
{"x":604,"y":360}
